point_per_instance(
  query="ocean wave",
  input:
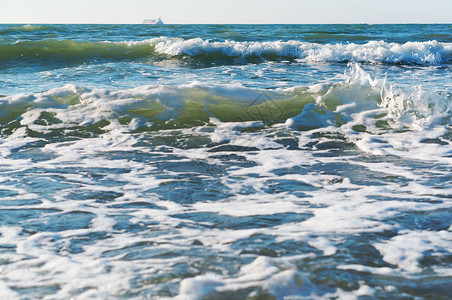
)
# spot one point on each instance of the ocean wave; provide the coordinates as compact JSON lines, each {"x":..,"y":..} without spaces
{"x":149,"y":107}
{"x":430,"y":53}
{"x":72,"y":51}
{"x":23,"y":28}
{"x":368,"y":114}
{"x":360,"y":103}
{"x":230,"y":52}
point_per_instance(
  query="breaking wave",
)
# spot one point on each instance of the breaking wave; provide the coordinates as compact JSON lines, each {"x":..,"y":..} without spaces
{"x":421,"y":53}
{"x":360,"y":103}
{"x":231,"y":52}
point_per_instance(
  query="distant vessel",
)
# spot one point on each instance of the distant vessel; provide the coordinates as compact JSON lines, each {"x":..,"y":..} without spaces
{"x":153,"y":21}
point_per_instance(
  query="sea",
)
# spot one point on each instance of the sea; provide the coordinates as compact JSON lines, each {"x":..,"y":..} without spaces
{"x":225,"y":161}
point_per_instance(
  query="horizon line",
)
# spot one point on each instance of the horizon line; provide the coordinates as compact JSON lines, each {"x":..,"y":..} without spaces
{"x":352,"y":23}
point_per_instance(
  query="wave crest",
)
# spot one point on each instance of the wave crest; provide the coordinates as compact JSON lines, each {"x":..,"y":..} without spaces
{"x":359,"y":103}
{"x":230,"y":52}
{"x":430,"y":53}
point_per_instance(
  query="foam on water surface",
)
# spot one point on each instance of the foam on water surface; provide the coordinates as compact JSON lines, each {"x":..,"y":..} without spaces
{"x":376,"y":51}
{"x":337,"y":186}
{"x":216,"y":52}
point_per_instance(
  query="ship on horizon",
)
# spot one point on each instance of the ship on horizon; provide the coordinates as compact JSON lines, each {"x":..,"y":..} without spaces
{"x":153,"y":21}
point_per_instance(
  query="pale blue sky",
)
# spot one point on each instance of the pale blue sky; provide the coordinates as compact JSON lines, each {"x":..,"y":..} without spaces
{"x":226,"y":12}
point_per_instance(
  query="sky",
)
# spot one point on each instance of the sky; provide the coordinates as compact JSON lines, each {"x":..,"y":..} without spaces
{"x":226,"y":11}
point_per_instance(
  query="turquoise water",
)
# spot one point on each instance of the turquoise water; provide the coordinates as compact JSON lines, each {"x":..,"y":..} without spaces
{"x":225,"y":161}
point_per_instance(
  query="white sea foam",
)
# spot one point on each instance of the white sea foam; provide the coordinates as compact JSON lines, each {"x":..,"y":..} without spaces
{"x":277,"y":276}
{"x":6,"y":293}
{"x":394,"y":120}
{"x":430,"y":53}
{"x":409,"y":247}
{"x":332,"y":199}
